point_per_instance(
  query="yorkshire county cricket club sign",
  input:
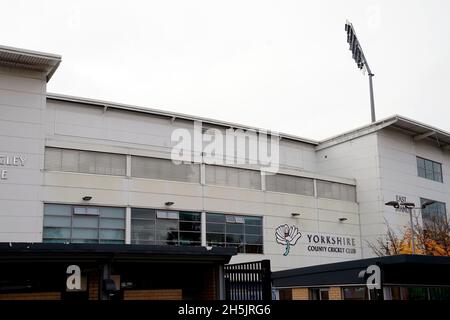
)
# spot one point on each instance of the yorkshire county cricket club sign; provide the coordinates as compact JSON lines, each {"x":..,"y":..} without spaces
{"x":314,"y":243}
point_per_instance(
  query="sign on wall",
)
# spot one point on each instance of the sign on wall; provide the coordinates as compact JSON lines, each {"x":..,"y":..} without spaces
{"x":401,"y":199}
{"x":319,"y":243}
{"x":372,"y":275}
{"x":9,"y":161}
{"x":287,"y":236}
{"x":73,"y":282}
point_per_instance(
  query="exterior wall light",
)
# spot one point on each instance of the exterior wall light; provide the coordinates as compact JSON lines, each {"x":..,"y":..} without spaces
{"x":169,"y":203}
{"x":410,"y":206}
{"x":394,"y":204}
{"x":342,"y":219}
{"x":87,"y":198}
{"x":295,"y":214}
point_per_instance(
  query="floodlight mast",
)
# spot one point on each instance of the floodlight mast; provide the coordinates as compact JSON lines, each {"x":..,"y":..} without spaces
{"x":361,"y":60}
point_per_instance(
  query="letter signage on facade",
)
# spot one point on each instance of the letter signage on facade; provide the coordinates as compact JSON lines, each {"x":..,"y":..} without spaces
{"x":74,"y":278}
{"x":316,"y":243}
{"x":11,"y":161}
{"x":373,"y":274}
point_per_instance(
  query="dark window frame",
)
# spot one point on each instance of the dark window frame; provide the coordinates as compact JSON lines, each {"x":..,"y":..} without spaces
{"x":182,"y":220}
{"x":312,"y":293}
{"x":243,"y":245}
{"x":427,"y":209}
{"x":80,"y":153}
{"x":72,"y":227}
{"x":424,"y":170}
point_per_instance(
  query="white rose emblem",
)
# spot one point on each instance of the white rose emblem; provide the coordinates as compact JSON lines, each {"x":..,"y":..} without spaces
{"x":288,"y":236}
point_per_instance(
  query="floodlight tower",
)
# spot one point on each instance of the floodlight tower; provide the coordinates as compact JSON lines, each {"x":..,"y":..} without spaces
{"x":361,"y":61}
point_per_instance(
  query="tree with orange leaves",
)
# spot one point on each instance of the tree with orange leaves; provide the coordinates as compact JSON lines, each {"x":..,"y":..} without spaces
{"x":431,"y":238}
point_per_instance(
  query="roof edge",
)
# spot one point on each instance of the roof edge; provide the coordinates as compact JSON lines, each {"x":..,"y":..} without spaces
{"x":376,"y":126}
{"x":24,"y":58}
{"x":170,"y":114}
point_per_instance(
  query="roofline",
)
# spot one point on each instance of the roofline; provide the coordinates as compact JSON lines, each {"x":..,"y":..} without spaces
{"x":24,"y":250}
{"x":423,"y":125}
{"x":52,"y":61}
{"x":356,"y":133}
{"x":319,"y":144}
{"x":373,"y":127}
{"x":361,"y":263}
{"x":170,"y":114}
{"x":28,"y":52}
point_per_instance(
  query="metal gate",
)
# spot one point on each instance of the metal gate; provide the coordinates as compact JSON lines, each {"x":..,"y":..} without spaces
{"x":248,"y":281}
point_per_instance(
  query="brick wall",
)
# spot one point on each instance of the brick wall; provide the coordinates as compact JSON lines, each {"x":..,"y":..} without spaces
{"x":163,"y":294}
{"x":31,"y":296}
{"x":93,"y":286}
{"x":335,"y":293}
{"x":209,"y":285}
{"x":300,"y":294}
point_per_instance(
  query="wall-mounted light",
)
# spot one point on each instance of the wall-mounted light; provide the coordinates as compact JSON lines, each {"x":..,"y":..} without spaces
{"x":87,"y":198}
{"x":169,"y":203}
{"x":342,"y":219}
{"x":295,"y":214}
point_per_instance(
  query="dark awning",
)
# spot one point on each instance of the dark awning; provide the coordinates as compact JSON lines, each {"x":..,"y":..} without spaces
{"x":400,"y":269}
{"x":48,"y":252}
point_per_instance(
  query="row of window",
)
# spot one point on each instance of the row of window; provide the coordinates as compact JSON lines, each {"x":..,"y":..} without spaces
{"x":90,"y":224}
{"x":163,"y":169}
{"x":362,"y":293}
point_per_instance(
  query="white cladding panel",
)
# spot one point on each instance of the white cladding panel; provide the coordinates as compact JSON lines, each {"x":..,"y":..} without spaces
{"x":22,"y":105}
{"x":384,"y":165}
{"x":68,"y":121}
{"x":398,"y":167}
{"x":318,"y":216}
{"x":358,"y":159}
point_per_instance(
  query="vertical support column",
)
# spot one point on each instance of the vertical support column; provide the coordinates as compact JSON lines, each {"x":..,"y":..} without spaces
{"x":106,"y":274}
{"x":203,"y":214}
{"x":263,"y":180}
{"x":203,"y":228}
{"x":127,"y":225}
{"x":202,"y":174}
{"x":128,"y":165}
{"x":221,"y":283}
{"x":266,"y":274}
{"x":316,"y":204}
{"x":315,"y":187}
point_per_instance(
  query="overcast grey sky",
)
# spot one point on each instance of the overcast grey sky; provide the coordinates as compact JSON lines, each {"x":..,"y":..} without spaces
{"x":280,"y":65}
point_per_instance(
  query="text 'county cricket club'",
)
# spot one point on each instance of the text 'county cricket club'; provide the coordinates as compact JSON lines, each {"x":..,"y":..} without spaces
{"x":315,"y":242}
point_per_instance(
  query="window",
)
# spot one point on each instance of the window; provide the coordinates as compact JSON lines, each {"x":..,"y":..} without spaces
{"x":243,"y":232}
{"x":290,"y":184}
{"x":162,"y":227}
{"x":319,"y":294}
{"x":434,"y":212}
{"x":334,"y":190}
{"x":285,"y":294}
{"x":355,"y":293}
{"x":414,"y":293}
{"x":164,"y":169}
{"x":83,"y":224}
{"x":420,"y":293}
{"x":429,"y":169}
{"x":85,"y":161}
{"x":233,"y":177}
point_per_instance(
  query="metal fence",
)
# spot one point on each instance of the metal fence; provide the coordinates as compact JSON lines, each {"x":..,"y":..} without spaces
{"x":248,"y":281}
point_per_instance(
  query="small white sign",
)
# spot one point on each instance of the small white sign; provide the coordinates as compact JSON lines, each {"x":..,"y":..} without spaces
{"x":373,"y":274}
{"x":74,"y":278}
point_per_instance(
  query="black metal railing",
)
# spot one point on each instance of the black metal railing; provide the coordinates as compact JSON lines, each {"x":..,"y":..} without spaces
{"x":248,"y":281}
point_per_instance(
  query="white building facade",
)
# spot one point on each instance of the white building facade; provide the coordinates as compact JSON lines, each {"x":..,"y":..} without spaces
{"x":77,"y":170}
